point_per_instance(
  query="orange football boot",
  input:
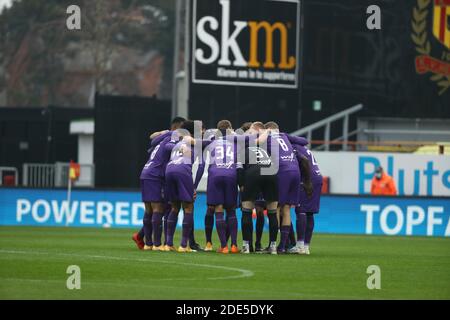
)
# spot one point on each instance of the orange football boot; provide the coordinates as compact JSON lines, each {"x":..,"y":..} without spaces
{"x":223,"y":250}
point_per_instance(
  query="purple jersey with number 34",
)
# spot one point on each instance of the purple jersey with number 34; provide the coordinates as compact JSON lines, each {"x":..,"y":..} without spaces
{"x":222,"y":158}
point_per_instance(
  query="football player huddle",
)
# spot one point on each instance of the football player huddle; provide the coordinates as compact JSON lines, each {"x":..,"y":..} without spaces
{"x":256,"y":168}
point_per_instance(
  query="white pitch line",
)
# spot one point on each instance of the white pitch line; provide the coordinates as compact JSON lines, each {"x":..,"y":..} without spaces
{"x":243,"y":272}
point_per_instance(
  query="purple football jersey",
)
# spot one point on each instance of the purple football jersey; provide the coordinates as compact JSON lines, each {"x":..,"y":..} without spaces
{"x":304,"y":151}
{"x":181,"y":158}
{"x":223,"y":156}
{"x":156,"y":164}
{"x":160,"y":138}
{"x":286,"y":155}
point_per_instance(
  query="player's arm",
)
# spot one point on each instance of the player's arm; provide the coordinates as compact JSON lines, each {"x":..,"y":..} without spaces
{"x":159,"y":138}
{"x":297,"y":140}
{"x":305,"y":169}
{"x":157,"y":134}
{"x":199,"y":174}
{"x":168,"y":147}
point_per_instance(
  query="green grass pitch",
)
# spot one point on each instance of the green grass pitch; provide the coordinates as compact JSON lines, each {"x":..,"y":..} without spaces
{"x":34,"y":263}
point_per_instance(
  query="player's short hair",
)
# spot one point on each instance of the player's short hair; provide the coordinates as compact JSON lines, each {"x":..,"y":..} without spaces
{"x":224,"y":125}
{"x":245,"y":126}
{"x":189,"y":126}
{"x":258,"y":125}
{"x":177,"y":122}
{"x":271,"y":125}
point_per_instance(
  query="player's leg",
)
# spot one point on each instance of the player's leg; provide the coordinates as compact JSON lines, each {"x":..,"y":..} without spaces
{"x":209,"y":225}
{"x":269,"y":187}
{"x":273,"y":226}
{"x":309,"y":206}
{"x":251,"y":191}
{"x":172,"y":225}
{"x":285,"y":227}
{"x":188,"y":221}
{"x":138,"y":237}
{"x":232,"y":226}
{"x":309,"y":231}
{"x":221,"y":228}
{"x":167,"y":210}
{"x":247,"y":225}
{"x":140,"y":233}
{"x":230,"y":198}
{"x":227,"y":230}
{"x":259,"y":208}
{"x":212,"y":199}
{"x":192,"y":243}
{"x":158,"y":212}
{"x":288,"y":195}
{"x":185,"y":187}
{"x":301,"y":228}
{"x":148,"y":229}
{"x":292,"y":239}
{"x":219,"y":185}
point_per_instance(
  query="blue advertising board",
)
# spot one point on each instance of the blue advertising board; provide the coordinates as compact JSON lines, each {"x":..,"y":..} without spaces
{"x":415,"y":216}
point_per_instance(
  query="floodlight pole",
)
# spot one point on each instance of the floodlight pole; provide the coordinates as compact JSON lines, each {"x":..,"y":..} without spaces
{"x":176,"y":53}
{"x":184,"y":108}
{"x":180,"y":80}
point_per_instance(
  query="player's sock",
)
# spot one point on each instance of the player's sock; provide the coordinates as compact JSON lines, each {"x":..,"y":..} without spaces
{"x":165,"y":224}
{"x":227,"y":229}
{"x":284,"y":230}
{"x":259,"y":228}
{"x":141,"y":233}
{"x":273,"y":225}
{"x":221,"y":228}
{"x":301,"y":225}
{"x":188,"y":221}
{"x":148,"y":228}
{"x":157,"y":230}
{"x":232,"y":226}
{"x":171,"y":226}
{"x":309,"y":228}
{"x":292,"y":240}
{"x":209,"y":224}
{"x":191,"y":234}
{"x":247,"y":225}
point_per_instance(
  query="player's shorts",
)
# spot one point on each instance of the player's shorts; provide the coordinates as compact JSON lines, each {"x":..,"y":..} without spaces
{"x":222,"y":190}
{"x":152,"y":190}
{"x":257,"y":185}
{"x":311,"y":205}
{"x":179,"y":187}
{"x":288,"y":190}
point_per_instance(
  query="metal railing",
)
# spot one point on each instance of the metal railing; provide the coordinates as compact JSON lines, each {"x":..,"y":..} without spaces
{"x":345,"y":115}
{"x":41,"y":175}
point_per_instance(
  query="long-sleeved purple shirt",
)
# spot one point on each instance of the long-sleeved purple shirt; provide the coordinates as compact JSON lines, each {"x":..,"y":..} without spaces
{"x":158,"y":158}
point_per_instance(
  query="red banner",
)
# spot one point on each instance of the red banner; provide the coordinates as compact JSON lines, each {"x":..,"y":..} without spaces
{"x":426,"y":64}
